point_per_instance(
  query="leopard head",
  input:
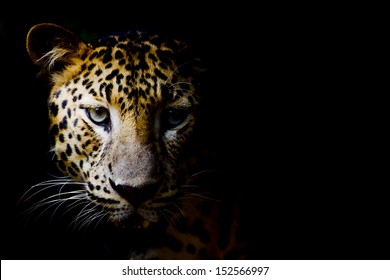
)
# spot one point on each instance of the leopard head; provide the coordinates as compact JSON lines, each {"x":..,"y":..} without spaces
{"x":123,"y":114}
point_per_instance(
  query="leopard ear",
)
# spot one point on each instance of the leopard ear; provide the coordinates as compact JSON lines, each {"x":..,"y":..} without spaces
{"x":52,"y":47}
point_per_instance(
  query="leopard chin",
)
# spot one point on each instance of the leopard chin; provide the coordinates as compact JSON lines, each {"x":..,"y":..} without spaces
{"x":133,"y":222}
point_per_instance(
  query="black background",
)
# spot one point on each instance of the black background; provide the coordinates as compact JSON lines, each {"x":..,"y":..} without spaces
{"x":290,"y":131}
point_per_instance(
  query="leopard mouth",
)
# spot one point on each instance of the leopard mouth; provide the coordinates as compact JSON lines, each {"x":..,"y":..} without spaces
{"x":141,"y":207}
{"x":143,"y":217}
{"x":140,"y":217}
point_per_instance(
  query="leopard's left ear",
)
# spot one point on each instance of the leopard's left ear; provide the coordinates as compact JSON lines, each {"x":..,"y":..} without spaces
{"x":52,"y":47}
{"x":189,"y":59}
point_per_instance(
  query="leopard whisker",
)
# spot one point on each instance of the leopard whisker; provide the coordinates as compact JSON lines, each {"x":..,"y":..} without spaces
{"x":180,"y":211}
{"x":86,"y":216}
{"x":84,"y":211}
{"x":167,"y":215}
{"x":178,"y":83}
{"x":51,"y":201}
{"x":203,"y":172}
{"x":174,"y":217}
{"x":48,"y":200}
{"x":79,"y":199}
{"x":82,"y":217}
{"x":198,"y":195}
{"x":61,"y":201}
{"x":99,"y":216}
{"x":48,"y":184}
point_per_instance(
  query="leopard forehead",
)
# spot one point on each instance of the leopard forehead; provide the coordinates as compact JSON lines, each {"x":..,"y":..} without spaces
{"x":131,"y":67}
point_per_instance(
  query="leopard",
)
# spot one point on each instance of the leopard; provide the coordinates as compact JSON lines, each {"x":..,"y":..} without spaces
{"x":125,"y":131}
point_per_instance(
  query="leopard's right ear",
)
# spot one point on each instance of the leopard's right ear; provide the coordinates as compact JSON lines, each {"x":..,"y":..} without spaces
{"x":52,"y":47}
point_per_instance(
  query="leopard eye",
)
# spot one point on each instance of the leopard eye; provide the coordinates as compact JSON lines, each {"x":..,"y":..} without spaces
{"x":98,"y":115}
{"x":174,"y":117}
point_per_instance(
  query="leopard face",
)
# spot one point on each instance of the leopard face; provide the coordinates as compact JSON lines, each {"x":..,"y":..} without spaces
{"x":123,"y":114}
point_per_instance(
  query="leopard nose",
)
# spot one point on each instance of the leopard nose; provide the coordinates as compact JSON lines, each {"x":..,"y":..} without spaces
{"x":136,"y":195}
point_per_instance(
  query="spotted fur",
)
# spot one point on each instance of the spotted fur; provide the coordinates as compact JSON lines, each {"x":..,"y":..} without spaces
{"x":124,"y":118}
